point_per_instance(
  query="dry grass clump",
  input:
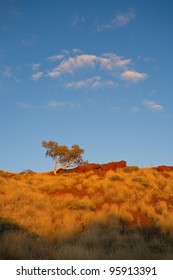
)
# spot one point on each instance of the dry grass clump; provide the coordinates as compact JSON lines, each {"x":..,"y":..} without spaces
{"x":118,"y":193}
{"x":59,"y":208}
{"x":130,"y":169}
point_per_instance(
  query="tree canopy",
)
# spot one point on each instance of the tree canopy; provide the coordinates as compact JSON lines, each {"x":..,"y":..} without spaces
{"x":63,"y":155}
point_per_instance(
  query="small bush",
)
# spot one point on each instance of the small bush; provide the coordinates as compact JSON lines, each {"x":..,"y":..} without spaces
{"x":130,"y":169}
{"x":27,"y":171}
{"x":117,"y":178}
{"x":141,"y":181}
{"x":83,"y":204}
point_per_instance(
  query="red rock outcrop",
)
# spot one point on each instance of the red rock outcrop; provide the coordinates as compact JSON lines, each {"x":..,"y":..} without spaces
{"x":99,"y":169}
{"x":164,"y":168}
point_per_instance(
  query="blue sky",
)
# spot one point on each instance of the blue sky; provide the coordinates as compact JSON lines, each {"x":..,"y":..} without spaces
{"x":94,"y":73}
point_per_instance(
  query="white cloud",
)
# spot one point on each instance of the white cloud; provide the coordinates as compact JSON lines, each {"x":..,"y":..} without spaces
{"x":37,"y":76}
{"x":94,"y":82}
{"x":80,"y":61}
{"x":123,"y":19}
{"x":132,"y":75}
{"x":69,"y":62}
{"x":59,"y":56}
{"x":120,"y":20}
{"x":77,"y":51}
{"x":72,"y":63}
{"x":54,"y":73}
{"x":108,"y":62}
{"x":35,"y":66}
{"x":152,"y":105}
{"x":82,"y":83}
{"x":65,"y":54}
{"x":56,"y":57}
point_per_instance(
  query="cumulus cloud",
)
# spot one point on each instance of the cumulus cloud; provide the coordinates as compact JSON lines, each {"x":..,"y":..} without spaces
{"x":119,"y":20}
{"x":70,"y":62}
{"x":152,"y":105}
{"x":133,"y":76}
{"x":37,"y":76}
{"x":80,"y":61}
{"x":94,"y":82}
{"x":108,"y":62}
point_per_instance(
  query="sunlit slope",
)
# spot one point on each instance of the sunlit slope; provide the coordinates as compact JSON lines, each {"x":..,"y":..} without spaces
{"x":62,"y":205}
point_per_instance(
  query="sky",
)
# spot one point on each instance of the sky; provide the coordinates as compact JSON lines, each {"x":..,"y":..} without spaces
{"x":94,"y":73}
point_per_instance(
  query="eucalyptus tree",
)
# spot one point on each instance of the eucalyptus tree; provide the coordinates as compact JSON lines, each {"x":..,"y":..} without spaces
{"x":63,"y":155}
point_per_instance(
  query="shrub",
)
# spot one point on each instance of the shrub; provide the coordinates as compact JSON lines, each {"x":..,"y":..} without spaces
{"x":27,"y":171}
{"x":117,"y":178}
{"x":83,"y":204}
{"x":130,"y":169}
{"x":141,"y":181}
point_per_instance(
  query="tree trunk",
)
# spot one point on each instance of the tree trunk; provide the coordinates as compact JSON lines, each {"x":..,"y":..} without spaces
{"x":61,"y":167}
{"x":55,"y":164}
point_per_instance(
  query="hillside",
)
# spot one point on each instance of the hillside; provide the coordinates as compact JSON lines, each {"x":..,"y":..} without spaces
{"x":124,"y":213}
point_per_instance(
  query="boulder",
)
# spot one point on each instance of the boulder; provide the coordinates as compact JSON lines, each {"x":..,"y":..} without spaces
{"x":164,"y":168}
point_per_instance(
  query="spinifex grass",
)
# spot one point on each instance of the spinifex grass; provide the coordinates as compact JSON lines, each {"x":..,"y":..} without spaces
{"x":78,"y":215}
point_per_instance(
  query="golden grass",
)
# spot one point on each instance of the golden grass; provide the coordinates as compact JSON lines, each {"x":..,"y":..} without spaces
{"x":39,"y":202}
{"x":61,"y":206}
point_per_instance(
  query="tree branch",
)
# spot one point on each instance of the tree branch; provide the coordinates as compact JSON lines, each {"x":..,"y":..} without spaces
{"x":63,"y":166}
